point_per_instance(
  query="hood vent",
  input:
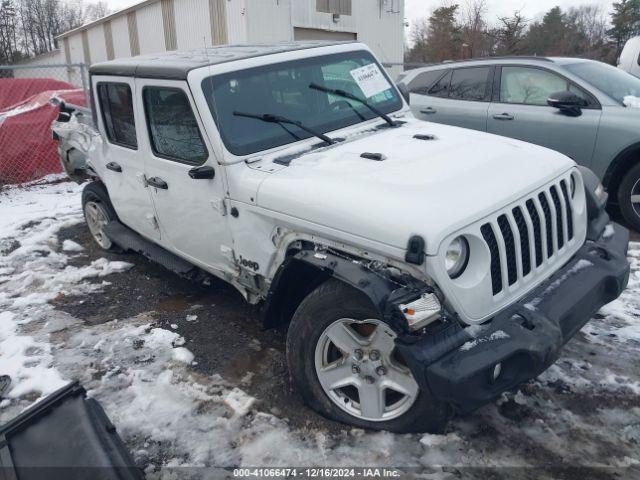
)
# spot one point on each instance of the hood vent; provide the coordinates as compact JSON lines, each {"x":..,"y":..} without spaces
{"x":378,"y":157}
{"x":421,"y":136}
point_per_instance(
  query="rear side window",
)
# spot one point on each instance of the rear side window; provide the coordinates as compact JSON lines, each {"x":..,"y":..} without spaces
{"x":424,"y":81}
{"x":441,"y":88}
{"x":116,"y":105}
{"x":470,"y":84}
{"x":173,"y":128}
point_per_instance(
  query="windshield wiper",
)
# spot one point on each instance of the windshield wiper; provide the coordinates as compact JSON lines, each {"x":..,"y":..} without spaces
{"x":341,"y":93}
{"x":270,"y":118}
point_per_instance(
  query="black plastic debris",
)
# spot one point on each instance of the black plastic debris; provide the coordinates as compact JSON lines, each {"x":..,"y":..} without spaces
{"x":64,"y":436}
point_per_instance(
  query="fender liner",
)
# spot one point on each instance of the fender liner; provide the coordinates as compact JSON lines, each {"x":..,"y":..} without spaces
{"x":378,"y":285}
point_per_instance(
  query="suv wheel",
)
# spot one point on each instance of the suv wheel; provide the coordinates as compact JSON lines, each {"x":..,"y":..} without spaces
{"x":343,"y":360}
{"x":629,"y":197}
{"x":98,"y":212}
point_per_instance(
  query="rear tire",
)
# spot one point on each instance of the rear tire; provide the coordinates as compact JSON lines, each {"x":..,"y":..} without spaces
{"x":402,"y":410}
{"x":98,"y":211}
{"x":629,"y":197}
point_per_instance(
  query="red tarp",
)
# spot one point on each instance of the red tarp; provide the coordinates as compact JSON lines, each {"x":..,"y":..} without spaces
{"x":27,"y":150}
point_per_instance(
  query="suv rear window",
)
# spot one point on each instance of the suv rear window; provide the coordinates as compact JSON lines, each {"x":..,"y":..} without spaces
{"x":470,"y":84}
{"x":116,"y":105}
{"x":423,"y":82}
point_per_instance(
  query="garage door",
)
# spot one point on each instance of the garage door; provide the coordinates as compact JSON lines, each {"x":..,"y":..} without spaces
{"x":316,"y":34}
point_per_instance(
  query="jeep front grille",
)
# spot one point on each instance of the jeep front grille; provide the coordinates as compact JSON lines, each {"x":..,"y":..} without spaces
{"x":523,"y":238}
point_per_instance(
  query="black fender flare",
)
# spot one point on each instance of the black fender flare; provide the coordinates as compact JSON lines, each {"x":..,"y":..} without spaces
{"x":384,"y":292}
{"x":622,"y":162}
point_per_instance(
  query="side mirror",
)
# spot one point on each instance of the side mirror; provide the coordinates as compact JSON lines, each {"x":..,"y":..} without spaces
{"x":202,"y":173}
{"x":567,"y":102}
{"x":404,"y":91}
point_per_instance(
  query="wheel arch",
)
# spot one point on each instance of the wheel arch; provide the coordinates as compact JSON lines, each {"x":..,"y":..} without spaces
{"x":622,"y":163}
{"x":305,"y":269}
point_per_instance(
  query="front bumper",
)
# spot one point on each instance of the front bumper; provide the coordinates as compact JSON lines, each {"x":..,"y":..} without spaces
{"x":526,"y":338}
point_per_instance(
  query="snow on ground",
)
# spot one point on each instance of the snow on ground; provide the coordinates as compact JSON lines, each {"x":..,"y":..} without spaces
{"x":583,"y":411}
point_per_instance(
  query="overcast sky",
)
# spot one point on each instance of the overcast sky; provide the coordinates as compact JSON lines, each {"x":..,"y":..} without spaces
{"x":531,"y":9}
{"x":416,"y":9}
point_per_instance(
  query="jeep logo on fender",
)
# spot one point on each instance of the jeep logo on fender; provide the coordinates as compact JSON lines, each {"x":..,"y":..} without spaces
{"x":249,"y":264}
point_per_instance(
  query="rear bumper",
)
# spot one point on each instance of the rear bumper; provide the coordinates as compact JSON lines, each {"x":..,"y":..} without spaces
{"x":527,"y":337}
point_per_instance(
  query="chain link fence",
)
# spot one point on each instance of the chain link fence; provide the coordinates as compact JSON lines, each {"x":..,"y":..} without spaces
{"x":27,"y":149}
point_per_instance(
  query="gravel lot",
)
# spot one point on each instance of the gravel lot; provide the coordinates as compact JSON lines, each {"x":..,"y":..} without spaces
{"x":126,"y":331}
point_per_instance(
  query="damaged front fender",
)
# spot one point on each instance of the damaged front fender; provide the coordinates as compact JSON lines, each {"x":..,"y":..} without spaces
{"x":386,"y":287}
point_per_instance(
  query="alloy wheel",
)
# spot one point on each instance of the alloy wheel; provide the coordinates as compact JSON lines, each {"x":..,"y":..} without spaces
{"x":361,"y":372}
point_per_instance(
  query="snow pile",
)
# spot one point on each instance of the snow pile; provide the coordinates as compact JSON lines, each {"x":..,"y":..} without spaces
{"x":26,"y":361}
{"x":71,"y":246}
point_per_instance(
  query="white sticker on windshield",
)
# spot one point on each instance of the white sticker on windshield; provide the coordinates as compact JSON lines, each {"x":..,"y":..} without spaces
{"x":370,"y":80}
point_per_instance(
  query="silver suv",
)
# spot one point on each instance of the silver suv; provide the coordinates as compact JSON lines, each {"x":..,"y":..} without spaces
{"x":571,"y":105}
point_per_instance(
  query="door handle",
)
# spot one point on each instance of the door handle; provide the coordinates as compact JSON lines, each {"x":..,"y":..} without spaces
{"x":114,"y":167}
{"x":429,"y":111}
{"x":503,"y":116}
{"x":157,"y":182}
{"x":202,"y":173}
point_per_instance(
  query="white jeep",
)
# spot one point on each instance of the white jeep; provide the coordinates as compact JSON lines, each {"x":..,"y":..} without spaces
{"x":422,"y":269}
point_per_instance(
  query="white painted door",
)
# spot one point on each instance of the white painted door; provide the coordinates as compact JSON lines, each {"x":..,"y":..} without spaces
{"x":191,"y":211}
{"x":123,"y":169}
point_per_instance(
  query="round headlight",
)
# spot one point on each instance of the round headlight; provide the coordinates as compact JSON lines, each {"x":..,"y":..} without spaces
{"x":457,"y":257}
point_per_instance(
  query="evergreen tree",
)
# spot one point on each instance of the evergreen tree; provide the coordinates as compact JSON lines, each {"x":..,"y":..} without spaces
{"x":625,"y":23}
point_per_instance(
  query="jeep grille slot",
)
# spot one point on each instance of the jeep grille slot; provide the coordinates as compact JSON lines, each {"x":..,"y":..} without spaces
{"x":563,"y":186}
{"x":496,"y":271}
{"x":510,"y":248}
{"x":537,"y":230}
{"x":529,"y":236}
{"x":525,"y":240}
{"x":559,"y":215}
{"x":548,"y":222}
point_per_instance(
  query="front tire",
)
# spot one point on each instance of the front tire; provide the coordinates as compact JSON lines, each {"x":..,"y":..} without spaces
{"x":98,"y":212}
{"x":343,"y":360}
{"x":629,"y":197}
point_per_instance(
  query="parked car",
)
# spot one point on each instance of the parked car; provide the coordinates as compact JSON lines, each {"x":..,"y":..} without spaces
{"x":574,"y":106}
{"x":414,"y":280}
{"x":629,"y":60}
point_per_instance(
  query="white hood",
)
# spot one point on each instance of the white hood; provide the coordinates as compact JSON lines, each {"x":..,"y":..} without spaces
{"x":423,"y":187}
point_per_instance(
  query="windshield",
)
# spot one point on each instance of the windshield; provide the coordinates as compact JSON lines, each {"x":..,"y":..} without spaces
{"x":611,"y":80}
{"x":282,"y":89}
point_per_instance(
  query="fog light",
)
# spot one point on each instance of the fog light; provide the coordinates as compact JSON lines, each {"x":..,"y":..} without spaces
{"x":421,"y":312}
{"x":495,"y":373}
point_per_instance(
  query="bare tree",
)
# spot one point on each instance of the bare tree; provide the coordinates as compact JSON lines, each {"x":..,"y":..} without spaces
{"x":474,"y":27}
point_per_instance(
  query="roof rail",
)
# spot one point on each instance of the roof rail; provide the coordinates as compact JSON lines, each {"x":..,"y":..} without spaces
{"x":508,"y":57}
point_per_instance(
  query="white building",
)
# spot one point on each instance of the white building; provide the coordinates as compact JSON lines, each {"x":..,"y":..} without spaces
{"x":159,"y":25}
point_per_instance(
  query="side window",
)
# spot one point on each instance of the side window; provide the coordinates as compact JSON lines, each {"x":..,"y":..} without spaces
{"x":423,"y":82}
{"x":116,"y":105}
{"x":470,"y":84}
{"x":173,"y":128}
{"x":532,"y":86}
{"x":441,"y":88}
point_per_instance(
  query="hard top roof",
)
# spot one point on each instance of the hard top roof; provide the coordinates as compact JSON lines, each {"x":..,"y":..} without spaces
{"x":177,"y":64}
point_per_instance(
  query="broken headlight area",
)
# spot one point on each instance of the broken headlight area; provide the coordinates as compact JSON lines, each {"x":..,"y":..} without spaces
{"x":421,"y":312}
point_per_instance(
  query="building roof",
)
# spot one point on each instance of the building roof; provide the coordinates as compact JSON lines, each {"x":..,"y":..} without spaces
{"x":175,"y":65}
{"x":117,"y":13}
